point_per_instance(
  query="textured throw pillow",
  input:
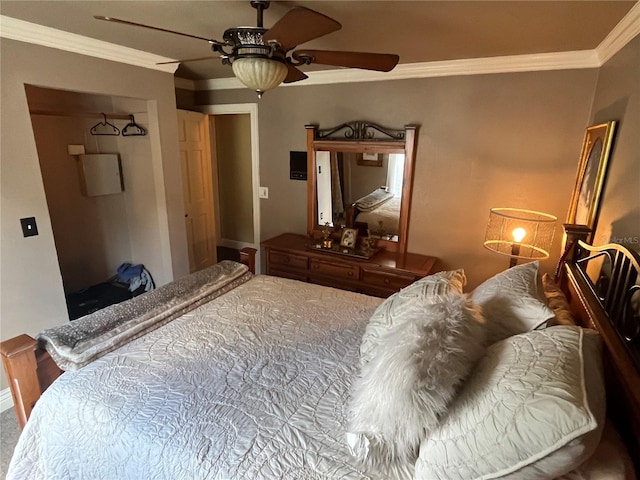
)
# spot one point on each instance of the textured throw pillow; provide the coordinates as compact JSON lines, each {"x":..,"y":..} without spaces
{"x":430,"y":289}
{"x":412,"y":377}
{"x":557,"y":302}
{"x":534,"y":407}
{"x":511,"y":303}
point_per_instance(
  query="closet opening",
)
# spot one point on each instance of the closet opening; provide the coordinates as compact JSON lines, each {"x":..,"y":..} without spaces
{"x":96,"y":162}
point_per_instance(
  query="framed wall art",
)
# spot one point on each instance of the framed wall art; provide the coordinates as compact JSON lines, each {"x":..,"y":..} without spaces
{"x":592,"y":170}
{"x":371,"y":159}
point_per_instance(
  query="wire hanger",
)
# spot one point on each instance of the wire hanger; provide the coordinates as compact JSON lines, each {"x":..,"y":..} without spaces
{"x":132,"y":129}
{"x":104,"y":128}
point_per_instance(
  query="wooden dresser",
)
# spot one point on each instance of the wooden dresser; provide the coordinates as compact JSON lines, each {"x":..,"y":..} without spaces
{"x":289,"y":255}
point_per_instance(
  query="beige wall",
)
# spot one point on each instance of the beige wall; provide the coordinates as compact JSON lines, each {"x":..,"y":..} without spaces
{"x":90,"y":233}
{"x":360,"y":180}
{"x":31,"y":292}
{"x":235,"y":189}
{"x":618,"y":98}
{"x":504,"y":140}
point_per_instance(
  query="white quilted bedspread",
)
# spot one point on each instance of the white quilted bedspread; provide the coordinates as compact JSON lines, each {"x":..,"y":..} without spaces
{"x":253,"y":385}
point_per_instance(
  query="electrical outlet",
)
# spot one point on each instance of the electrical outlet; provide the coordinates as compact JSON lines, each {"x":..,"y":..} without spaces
{"x":264,"y":192}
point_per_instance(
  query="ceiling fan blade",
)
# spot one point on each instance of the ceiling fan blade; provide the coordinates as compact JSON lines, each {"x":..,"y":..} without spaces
{"x":382,"y":62}
{"x":210,"y":57}
{"x":300,"y":25}
{"x":127,"y":22}
{"x":294,"y":75}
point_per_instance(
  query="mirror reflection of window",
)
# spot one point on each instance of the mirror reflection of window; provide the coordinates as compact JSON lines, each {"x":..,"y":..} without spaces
{"x":323,"y":174}
{"x":395,"y":173}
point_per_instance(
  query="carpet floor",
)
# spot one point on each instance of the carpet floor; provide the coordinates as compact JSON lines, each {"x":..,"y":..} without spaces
{"x":9,"y":433}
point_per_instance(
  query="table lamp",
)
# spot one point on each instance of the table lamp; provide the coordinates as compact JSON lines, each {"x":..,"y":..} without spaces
{"x":520,"y":233}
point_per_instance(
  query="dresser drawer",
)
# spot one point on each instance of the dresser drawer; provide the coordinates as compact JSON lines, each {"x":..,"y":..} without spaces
{"x":343,"y":270}
{"x":292,"y":274}
{"x":386,"y":280}
{"x":279,"y":258}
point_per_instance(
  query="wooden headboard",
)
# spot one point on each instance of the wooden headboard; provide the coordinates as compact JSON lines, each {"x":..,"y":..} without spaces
{"x":603,"y":290}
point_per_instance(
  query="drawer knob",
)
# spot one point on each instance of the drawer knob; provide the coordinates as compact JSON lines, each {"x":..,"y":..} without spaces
{"x":387,"y":281}
{"x":351,"y":274}
{"x":316,"y":266}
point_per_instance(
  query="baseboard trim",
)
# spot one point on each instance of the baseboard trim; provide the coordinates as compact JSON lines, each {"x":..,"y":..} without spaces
{"x":6,"y":401}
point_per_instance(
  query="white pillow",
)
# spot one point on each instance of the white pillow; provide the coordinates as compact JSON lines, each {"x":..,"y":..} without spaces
{"x":412,"y":377}
{"x":511,"y":303}
{"x":533,"y":408}
{"x":430,"y":289}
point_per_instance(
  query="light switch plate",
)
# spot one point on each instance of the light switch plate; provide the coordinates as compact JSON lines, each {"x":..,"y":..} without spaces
{"x":264,"y":192}
{"x":29,"y":226}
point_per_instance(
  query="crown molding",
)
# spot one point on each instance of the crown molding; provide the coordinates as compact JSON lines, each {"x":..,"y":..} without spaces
{"x":472,"y":66}
{"x":625,"y":31}
{"x":28,"y":32}
{"x":184,"y":83}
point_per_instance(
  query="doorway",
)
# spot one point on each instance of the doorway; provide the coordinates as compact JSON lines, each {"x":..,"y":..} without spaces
{"x":235,"y":172}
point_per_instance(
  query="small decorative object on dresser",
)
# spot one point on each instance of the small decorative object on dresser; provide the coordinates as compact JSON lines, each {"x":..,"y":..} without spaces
{"x":327,"y":230}
{"x":296,"y":256}
{"x":349,"y":238}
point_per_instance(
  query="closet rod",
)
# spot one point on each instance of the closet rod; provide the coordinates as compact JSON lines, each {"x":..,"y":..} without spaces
{"x":111,"y":116}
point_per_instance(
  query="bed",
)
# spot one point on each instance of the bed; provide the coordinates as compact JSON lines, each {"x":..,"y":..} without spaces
{"x":228,"y":375}
{"x":380,"y":211}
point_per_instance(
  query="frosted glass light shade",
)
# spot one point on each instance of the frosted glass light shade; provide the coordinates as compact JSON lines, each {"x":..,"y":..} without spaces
{"x":259,"y":74}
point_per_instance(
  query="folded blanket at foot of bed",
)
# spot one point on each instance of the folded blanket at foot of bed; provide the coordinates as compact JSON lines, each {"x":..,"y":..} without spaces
{"x":82,"y":341}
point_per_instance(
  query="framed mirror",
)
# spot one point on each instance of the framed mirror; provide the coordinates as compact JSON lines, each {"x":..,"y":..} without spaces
{"x":360,"y":175}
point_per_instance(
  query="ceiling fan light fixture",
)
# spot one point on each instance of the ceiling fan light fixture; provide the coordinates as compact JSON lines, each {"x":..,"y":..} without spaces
{"x":259,"y":73}
{"x":260,"y":57}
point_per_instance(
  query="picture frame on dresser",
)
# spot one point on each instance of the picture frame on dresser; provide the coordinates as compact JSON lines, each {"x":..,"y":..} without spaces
{"x":590,"y":178}
{"x":349,"y":237}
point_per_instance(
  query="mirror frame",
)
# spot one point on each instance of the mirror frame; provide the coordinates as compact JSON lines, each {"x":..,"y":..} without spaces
{"x":363,"y":137}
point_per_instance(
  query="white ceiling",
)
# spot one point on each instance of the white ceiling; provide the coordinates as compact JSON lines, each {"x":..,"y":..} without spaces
{"x":419,"y":31}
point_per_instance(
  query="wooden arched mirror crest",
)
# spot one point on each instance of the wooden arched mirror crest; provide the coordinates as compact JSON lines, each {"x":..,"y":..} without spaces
{"x":360,"y":175}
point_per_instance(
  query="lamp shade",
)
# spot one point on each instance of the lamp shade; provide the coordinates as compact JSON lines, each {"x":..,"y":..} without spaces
{"x":259,"y":74}
{"x":520,"y":233}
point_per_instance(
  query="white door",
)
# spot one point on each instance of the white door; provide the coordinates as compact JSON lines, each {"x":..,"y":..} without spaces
{"x":323,"y":182}
{"x":195,"y":160}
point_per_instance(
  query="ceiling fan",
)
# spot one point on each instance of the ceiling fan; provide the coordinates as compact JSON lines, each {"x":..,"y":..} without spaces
{"x":262,"y":58}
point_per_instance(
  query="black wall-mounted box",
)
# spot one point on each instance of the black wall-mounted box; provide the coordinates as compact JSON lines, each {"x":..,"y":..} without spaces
{"x":298,"y":165}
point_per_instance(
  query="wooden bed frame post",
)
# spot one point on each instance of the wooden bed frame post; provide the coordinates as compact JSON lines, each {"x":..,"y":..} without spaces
{"x":570,"y":251}
{"x":19,"y":361}
{"x":248,"y":257}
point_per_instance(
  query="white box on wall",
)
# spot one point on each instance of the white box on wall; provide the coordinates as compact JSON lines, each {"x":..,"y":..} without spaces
{"x":101,"y":174}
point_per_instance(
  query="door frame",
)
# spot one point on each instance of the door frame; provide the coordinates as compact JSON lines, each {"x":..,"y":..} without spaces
{"x":252,"y":110}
